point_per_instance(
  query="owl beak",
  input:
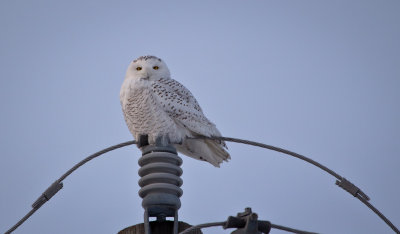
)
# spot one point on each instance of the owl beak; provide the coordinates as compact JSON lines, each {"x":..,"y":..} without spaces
{"x":145,"y":78}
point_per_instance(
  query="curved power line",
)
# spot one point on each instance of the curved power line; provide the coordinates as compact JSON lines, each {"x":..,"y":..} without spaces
{"x":387,"y":221}
{"x":21,"y":221}
{"x":57,"y":185}
{"x":341,"y":182}
{"x":288,"y":229}
{"x":347,"y":186}
{"x":204,"y":225}
{"x":207,"y":225}
{"x":111,"y":148}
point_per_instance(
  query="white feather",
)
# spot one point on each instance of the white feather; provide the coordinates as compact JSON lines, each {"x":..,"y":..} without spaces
{"x":156,"y":105}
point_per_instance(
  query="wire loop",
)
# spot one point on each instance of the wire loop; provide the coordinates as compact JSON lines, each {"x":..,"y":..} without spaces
{"x":341,"y":182}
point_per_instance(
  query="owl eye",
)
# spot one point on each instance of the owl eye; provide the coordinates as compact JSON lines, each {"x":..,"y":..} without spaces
{"x":155,"y":67}
{"x":139,"y":68}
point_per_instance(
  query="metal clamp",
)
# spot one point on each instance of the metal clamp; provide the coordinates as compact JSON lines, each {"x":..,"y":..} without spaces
{"x":247,"y":223}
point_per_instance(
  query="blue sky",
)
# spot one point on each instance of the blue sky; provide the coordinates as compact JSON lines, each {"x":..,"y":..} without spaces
{"x":320,"y":78}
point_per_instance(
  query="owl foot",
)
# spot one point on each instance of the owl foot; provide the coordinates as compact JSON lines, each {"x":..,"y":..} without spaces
{"x":162,"y":140}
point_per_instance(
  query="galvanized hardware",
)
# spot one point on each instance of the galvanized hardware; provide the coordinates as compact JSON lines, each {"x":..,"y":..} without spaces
{"x":247,"y":223}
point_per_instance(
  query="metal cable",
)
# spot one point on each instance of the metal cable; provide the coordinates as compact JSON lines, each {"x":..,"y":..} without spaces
{"x":206,"y":225}
{"x":288,"y":229}
{"x":57,"y":185}
{"x":341,"y":182}
{"x":387,"y":221}
{"x":111,"y":148}
{"x":21,"y":221}
{"x":274,"y":148}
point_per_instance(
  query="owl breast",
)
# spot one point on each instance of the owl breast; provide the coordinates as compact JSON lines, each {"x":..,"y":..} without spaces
{"x":144,"y":116}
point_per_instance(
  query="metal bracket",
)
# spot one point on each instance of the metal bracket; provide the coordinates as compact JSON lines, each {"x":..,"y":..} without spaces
{"x":247,"y":223}
{"x":49,"y":193}
{"x":351,"y":188}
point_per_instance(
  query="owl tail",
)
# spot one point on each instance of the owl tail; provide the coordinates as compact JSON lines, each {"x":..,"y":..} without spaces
{"x":204,"y":149}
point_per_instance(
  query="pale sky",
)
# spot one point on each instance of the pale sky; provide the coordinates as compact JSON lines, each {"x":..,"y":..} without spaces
{"x":321,"y":78}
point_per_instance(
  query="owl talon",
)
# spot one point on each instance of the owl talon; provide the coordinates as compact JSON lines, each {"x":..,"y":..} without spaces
{"x":163,"y":140}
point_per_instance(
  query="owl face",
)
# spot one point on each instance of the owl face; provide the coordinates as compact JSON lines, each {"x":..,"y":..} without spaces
{"x":147,"y":68}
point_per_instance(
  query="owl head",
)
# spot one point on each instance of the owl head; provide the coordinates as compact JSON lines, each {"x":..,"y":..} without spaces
{"x":147,"y":68}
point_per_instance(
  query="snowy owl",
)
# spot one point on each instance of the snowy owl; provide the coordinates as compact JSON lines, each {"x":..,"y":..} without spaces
{"x":160,"y":107}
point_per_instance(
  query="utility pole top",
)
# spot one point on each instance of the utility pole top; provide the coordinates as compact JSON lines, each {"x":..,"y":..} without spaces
{"x":157,"y":227}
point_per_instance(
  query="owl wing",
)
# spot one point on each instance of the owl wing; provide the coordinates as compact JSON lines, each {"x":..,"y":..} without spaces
{"x":179,"y":103}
